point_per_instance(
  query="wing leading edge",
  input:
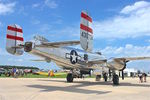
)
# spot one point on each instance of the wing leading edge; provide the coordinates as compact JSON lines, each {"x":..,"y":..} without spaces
{"x":127,"y":59}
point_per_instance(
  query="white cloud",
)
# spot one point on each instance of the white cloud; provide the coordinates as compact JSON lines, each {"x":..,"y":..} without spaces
{"x":136,"y":6}
{"x":51,"y":4}
{"x":132,"y":21}
{"x":35,"y":21}
{"x":6,"y":8}
{"x":45,"y":28}
{"x":35,"y":5}
{"x":128,"y":50}
{"x":55,"y":33}
{"x":45,"y":3}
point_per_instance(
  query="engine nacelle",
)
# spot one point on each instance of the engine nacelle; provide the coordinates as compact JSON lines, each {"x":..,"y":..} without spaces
{"x":113,"y":65}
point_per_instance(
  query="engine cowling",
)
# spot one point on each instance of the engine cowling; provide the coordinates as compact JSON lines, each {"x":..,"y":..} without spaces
{"x":116,"y":65}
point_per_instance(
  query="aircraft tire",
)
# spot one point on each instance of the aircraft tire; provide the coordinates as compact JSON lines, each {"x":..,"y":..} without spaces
{"x":115,"y":79}
{"x":69,"y":77}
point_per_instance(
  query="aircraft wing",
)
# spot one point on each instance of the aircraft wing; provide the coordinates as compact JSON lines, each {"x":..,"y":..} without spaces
{"x":58,"y":44}
{"x":120,"y":63}
{"x":127,"y":59}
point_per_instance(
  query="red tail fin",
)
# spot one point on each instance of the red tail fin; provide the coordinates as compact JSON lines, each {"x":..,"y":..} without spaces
{"x":86,"y":32}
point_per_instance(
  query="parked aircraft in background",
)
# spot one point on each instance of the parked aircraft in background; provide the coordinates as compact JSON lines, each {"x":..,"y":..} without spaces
{"x":79,"y":62}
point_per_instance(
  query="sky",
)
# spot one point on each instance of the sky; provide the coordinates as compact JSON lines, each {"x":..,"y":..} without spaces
{"x":121,"y":27}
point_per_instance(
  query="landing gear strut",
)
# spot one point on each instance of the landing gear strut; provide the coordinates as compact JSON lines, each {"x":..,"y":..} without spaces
{"x":70,"y":77}
{"x":115,"y":79}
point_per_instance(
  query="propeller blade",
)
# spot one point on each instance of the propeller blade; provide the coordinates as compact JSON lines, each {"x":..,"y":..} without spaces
{"x":122,"y":75}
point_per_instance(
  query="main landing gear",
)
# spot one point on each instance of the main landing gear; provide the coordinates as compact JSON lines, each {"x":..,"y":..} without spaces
{"x":115,"y":79}
{"x":76,"y":74}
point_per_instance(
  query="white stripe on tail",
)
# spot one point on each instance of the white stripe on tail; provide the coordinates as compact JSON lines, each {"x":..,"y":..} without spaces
{"x":86,"y":32}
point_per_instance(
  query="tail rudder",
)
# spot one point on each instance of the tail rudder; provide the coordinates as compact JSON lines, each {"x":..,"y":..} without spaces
{"x":86,"y":32}
{"x":14,"y":38}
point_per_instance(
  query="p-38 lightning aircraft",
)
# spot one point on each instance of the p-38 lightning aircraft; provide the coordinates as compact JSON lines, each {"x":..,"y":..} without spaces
{"x":79,"y":62}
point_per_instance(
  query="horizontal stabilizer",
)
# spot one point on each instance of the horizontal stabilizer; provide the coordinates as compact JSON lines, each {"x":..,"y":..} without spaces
{"x":18,"y":47}
{"x":58,"y":44}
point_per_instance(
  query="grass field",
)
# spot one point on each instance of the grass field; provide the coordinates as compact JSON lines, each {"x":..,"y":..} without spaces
{"x":56,"y":75}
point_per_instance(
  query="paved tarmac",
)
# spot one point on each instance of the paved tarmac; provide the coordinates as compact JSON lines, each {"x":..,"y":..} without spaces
{"x":58,"y":89}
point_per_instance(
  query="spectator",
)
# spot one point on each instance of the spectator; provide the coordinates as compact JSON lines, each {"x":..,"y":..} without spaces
{"x":140,"y":77}
{"x":144,"y":76}
{"x":22,"y":72}
{"x":14,"y":72}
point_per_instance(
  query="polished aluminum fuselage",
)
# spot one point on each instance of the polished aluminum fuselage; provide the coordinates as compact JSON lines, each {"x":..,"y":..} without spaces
{"x":58,"y":55}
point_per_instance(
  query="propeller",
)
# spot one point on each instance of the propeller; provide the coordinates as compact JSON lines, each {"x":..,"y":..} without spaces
{"x":122,"y":71}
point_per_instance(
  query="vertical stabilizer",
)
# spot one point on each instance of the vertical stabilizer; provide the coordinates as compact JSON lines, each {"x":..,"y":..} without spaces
{"x":14,"y":38}
{"x":86,"y":32}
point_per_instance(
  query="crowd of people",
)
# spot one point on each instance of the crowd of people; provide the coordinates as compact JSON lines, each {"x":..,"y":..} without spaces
{"x":15,"y":72}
